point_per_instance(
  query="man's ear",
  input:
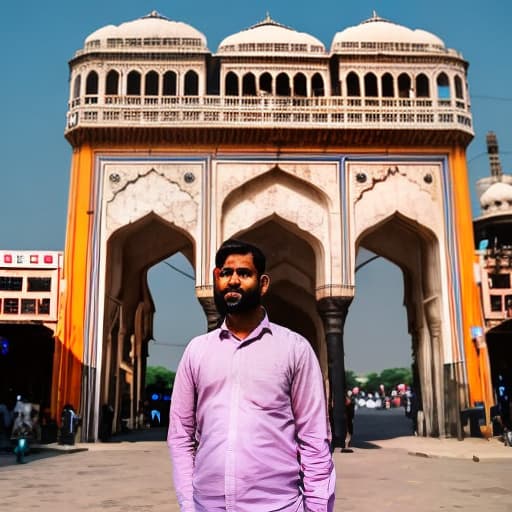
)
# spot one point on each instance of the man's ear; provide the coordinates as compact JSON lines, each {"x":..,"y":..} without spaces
{"x":216,"y":272}
{"x":264,"y":283}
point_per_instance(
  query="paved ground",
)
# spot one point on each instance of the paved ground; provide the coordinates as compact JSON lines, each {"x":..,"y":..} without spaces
{"x":387,"y":471}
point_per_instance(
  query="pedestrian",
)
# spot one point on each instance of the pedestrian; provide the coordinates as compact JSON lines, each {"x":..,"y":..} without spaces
{"x":248,"y":421}
{"x":349,"y":416}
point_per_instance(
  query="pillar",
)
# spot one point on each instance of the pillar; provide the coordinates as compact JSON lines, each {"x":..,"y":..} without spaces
{"x":333,"y":312}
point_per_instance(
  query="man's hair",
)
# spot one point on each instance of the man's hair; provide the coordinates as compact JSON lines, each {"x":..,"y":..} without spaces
{"x":233,"y":246}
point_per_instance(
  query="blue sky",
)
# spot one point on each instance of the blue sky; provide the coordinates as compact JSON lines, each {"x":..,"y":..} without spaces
{"x":38,"y":39}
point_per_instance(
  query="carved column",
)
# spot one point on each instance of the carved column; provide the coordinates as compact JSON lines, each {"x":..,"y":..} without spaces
{"x":333,"y":312}
{"x":212,"y":315}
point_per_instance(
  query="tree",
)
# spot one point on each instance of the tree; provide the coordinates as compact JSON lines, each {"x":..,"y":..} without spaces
{"x":394,"y":376}
{"x":159,"y":376}
{"x":350,"y":379}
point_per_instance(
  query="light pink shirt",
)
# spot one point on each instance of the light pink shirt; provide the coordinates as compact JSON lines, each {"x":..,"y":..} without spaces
{"x":247,"y":417}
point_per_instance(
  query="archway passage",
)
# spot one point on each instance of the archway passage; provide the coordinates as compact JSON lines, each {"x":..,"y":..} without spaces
{"x":414,"y":249}
{"x":129,"y":311}
{"x":26,"y":362}
{"x":291,"y":264}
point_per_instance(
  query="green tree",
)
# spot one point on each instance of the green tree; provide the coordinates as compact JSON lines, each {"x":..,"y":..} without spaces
{"x":159,"y":376}
{"x":391,"y":377}
{"x":350,"y":379}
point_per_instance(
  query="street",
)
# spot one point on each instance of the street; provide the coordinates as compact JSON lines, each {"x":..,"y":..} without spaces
{"x":380,"y":475}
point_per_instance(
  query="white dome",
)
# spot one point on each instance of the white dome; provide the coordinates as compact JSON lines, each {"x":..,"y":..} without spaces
{"x":497,"y":198}
{"x":152,"y":30}
{"x":380,"y":30}
{"x":270,"y":37}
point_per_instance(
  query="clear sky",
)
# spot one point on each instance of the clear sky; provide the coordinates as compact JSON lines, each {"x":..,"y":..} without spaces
{"x":39,"y":38}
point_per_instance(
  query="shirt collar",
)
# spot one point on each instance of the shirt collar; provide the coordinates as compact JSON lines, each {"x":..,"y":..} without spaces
{"x":259,"y":330}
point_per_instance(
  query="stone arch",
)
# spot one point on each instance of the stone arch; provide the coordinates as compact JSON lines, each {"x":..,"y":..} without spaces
{"x":129,"y":309}
{"x":292,"y":262}
{"x":133,"y":83}
{"x":112,"y":83}
{"x":231,"y":84}
{"x":152,"y":192}
{"x":278,"y":194}
{"x":151,"y":83}
{"x":414,"y":248}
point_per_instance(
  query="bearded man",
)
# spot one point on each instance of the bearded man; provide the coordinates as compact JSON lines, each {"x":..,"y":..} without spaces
{"x":248,"y":421}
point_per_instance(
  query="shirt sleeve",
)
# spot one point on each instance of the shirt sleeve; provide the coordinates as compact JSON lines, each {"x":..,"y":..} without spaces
{"x":310,"y":412}
{"x":181,"y":434}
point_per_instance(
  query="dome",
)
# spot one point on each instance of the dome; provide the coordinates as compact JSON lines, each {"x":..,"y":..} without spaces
{"x":270,"y":37}
{"x":381,"y":34}
{"x":153,"y":30}
{"x":497,"y":198}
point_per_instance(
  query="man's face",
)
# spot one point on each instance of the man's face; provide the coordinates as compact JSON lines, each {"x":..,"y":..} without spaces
{"x":237,"y":285}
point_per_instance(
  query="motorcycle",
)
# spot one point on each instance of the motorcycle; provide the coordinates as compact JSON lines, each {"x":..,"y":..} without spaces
{"x":24,"y":428}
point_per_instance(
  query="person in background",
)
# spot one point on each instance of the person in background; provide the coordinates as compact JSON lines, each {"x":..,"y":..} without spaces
{"x":248,"y":420}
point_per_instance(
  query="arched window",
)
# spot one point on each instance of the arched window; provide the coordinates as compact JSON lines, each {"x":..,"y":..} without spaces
{"x":133,"y":83}
{"x":191,"y":83}
{"x":151,"y":84}
{"x":112,"y":83}
{"x":91,"y":83}
{"x":249,"y":85}
{"x":283,"y":85}
{"x":404,"y":86}
{"x":353,"y":88}
{"x":422,"y":86}
{"x":77,"y":86}
{"x":388,"y":88}
{"x":231,"y":84}
{"x":459,"y":90}
{"x":266,"y":83}
{"x":443,"y":87}
{"x":169,"y":84}
{"x":317,"y":85}
{"x":300,"y":85}
{"x":370,"y":85}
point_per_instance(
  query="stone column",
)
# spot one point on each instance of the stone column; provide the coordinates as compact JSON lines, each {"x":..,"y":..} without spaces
{"x":212,"y":315}
{"x":333,"y":312}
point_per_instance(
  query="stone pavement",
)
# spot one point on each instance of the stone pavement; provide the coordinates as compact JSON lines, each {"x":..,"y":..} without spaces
{"x":401,"y":474}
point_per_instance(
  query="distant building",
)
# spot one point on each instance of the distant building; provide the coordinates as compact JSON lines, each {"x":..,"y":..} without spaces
{"x":30,"y":287}
{"x":312,"y":153}
{"x":493,"y":237}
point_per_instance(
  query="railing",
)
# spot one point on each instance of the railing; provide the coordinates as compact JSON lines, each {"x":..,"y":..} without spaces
{"x":269,"y":111}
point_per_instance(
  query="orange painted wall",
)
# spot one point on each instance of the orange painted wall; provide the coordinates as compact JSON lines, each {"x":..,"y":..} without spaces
{"x":69,"y":338}
{"x":477,"y":360}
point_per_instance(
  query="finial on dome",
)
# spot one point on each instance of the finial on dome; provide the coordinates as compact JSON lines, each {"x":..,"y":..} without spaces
{"x":269,"y":21}
{"x":154,"y":14}
{"x":375,"y":17}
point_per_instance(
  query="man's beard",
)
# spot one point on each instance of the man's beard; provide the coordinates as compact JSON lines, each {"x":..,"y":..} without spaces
{"x":248,"y":300}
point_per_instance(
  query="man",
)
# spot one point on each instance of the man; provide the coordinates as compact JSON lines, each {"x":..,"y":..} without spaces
{"x":248,"y":426}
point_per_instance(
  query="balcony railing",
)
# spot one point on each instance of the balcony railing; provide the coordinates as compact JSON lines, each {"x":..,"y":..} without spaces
{"x":269,"y":111}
